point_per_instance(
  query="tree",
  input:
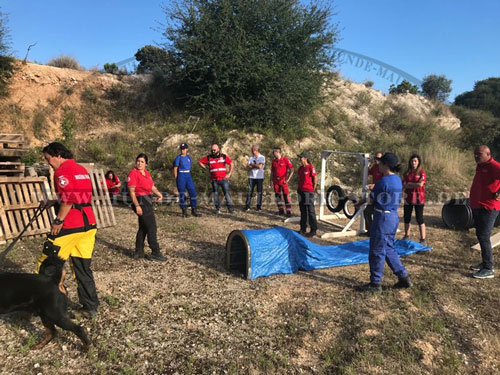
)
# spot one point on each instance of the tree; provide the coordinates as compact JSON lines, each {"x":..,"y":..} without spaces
{"x":6,"y":61}
{"x":403,"y":88}
{"x":436,"y":87}
{"x":4,"y":35}
{"x":151,"y":58}
{"x":259,"y":63}
{"x":485,"y":96}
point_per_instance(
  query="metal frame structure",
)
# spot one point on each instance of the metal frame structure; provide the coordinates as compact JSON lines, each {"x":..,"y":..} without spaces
{"x":364,"y":160}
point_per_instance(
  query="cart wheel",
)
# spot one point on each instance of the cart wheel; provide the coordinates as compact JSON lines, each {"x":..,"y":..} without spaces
{"x":335,"y":198}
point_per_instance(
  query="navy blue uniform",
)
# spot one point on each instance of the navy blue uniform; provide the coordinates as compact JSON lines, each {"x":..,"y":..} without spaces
{"x":386,"y":196}
{"x":184,"y":180}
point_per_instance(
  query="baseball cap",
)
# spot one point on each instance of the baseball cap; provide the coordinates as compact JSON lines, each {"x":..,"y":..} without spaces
{"x":184,"y":146}
{"x":389,"y":159}
{"x":304,"y":154}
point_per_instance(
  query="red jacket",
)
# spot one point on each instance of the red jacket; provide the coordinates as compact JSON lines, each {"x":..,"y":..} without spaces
{"x":415,"y":195}
{"x":486,"y":183}
{"x":217,"y":165}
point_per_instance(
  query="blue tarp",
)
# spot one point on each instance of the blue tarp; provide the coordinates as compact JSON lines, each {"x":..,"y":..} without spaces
{"x":281,"y":250}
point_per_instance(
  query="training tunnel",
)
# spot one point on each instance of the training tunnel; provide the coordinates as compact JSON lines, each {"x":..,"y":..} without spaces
{"x":265,"y":252}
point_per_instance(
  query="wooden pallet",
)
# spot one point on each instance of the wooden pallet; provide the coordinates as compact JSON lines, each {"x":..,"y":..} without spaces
{"x":19,"y":198}
{"x":101,"y":203}
{"x":12,"y":141}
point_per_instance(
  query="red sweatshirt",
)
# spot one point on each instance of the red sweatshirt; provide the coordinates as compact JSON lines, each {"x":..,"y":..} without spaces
{"x":486,"y":183}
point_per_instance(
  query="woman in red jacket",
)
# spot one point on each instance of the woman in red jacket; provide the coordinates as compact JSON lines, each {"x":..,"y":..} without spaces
{"x":113,"y":183}
{"x":141,"y":186}
{"x":414,"y":181}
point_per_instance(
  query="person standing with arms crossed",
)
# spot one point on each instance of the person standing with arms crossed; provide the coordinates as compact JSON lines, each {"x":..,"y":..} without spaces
{"x":216,"y":164}
{"x":414,"y":181}
{"x":281,"y":173}
{"x":484,"y":201}
{"x":308,"y":181}
{"x":182,"y":172}
{"x":73,"y":231}
{"x":255,"y":167}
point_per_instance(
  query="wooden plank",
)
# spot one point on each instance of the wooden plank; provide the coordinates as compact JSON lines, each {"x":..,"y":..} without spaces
{"x":42,"y":220}
{"x":50,"y":214}
{"x":495,"y":241}
{"x":14,"y":152}
{"x":4,"y":221}
{"x":11,"y":138}
{"x":96,"y":203}
{"x":100,"y":183}
{"x":17,"y":214}
{"x":5,"y":179}
{"x":21,"y":201}
{"x":29,"y":203}
{"x":107,"y":198}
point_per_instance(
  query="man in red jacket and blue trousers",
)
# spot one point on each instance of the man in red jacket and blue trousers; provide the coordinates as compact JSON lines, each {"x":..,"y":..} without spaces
{"x":485,"y":204}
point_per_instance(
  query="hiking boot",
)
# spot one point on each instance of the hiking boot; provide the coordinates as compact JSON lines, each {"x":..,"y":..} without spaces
{"x":158,"y":257}
{"x":194,"y":212}
{"x":139,"y":254}
{"x":370,"y":287}
{"x":184,"y":213}
{"x":311,"y":233}
{"x":484,"y":274}
{"x":403,"y":282}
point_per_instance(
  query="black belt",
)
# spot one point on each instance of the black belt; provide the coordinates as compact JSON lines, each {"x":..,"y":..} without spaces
{"x":79,"y":207}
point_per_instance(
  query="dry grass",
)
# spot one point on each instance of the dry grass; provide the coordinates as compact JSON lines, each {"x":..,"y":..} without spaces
{"x":190,"y":316}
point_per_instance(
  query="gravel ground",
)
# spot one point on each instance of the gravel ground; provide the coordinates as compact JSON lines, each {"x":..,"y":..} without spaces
{"x":190,"y":316}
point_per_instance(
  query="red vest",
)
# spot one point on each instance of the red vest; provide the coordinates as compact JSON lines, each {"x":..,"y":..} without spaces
{"x":217,"y":166}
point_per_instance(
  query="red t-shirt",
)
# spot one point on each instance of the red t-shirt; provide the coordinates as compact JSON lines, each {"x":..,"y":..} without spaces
{"x":415,"y":195}
{"x":73,"y":185}
{"x":486,"y":183}
{"x":306,"y":175}
{"x":110,"y":183}
{"x":143,"y":184}
{"x":279,"y":169}
{"x":217,"y":166}
{"x":374,"y":171}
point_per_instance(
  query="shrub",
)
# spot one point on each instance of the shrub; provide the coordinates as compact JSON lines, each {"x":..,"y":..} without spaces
{"x":363,"y":99}
{"x":111,"y":68}
{"x":403,"y":88}
{"x":369,"y":84}
{"x":89,"y":95}
{"x":63,"y":61}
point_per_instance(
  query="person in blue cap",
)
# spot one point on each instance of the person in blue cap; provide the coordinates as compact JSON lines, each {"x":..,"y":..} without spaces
{"x":385,"y":196}
{"x":182,"y":172}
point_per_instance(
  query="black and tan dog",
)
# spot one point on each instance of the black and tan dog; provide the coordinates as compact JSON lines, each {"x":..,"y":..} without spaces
{"x":42,"y":294}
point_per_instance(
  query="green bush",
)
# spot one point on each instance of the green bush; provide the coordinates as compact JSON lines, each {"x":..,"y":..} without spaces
{"x":484,"y":97}
{"x":403,"y":88}
{"x":363,"y":99}
{"x":111,"y":68}
{"x":63,"y":61}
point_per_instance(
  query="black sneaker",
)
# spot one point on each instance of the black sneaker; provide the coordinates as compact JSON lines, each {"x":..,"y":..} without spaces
{"x":184,"y":213}
{"x":217,"y":211}
{"x":139,"y":254}
{"x":403,"y":282}
{"x":484,"y":274}
{"x":258,"y":209}
{"x":311,"y":234}
{"x":195,"y":213}
{"x":159,"y":257}
{"x":302,"y":232}
{"x":476,"y":267}
{"x":231,"y":210}
{"x":370,"y":287}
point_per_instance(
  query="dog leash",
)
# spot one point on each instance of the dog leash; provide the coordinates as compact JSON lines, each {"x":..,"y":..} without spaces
{"x":44,"y":205}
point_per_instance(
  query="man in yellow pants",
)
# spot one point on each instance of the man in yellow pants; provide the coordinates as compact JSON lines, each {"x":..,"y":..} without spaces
{"x":74,"y":228}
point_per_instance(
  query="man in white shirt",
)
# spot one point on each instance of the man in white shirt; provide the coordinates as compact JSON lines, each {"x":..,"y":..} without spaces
{"x":255,"y":168}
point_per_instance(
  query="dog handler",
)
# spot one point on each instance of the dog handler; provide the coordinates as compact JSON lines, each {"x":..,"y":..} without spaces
{"x":281,"y":173}
{"x":73,"y":231}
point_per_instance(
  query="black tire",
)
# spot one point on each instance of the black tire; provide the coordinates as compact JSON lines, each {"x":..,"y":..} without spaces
{"x":349,"y":209}
{"x":335,"y":198}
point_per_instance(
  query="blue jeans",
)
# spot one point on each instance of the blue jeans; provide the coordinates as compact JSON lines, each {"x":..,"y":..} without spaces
{"x":382,"y":233}
{"x":484,"y":220}
{"x":252,"y":182}
{"x":225,"y":189}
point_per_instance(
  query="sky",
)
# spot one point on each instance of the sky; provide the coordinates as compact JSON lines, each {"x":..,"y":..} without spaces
{"x":457,"y":38}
